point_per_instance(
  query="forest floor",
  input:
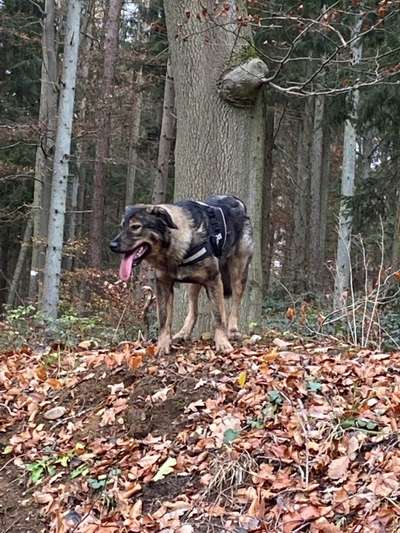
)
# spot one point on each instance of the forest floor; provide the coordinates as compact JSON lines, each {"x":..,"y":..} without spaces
{"x":283,"y":435}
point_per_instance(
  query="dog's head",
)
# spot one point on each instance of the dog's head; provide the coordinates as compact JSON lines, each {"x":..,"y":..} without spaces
{"x":145,"y":231}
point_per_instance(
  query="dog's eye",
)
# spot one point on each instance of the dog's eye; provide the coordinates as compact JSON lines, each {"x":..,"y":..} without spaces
{"x":135,"y":227}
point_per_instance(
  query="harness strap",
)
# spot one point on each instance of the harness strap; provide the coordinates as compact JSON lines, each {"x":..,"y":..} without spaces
{"x":215,"y":243}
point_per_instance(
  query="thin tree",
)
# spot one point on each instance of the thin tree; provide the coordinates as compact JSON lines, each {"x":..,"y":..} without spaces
{"x":44,"y":151}
{"x":314,"y":257}
{"x":23,"y":252}
{"x":343,"y":257}
{"x":136,"y":114}
{"x":103,"y":131}
{"x":52,"y":269}
{"x":167,"y":137}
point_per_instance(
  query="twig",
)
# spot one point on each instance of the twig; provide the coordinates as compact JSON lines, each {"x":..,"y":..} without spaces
{"x":374,"y":309}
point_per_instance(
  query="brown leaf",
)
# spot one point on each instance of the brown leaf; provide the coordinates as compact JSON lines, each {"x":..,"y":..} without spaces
{"x":339,"y":467}
{"x":54,"y":413}
{"x":54,"y":383}
{"x":41,"y":373}
{"x":135,"y":361}
{"x":291,"y":313}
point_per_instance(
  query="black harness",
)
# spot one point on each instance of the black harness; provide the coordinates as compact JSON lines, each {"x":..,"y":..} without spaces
{"x":215,"y":243}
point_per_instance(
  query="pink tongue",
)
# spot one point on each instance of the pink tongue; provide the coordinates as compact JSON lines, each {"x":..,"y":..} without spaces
{"x":125,"y":268}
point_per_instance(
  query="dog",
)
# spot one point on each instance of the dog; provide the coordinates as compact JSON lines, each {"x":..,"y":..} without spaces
{"x":205,"y":244}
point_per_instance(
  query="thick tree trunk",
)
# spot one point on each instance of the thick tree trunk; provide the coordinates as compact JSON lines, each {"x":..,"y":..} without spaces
{"x":267,"y":237}
{"x":61,"y":162}
{"x":314,"y":254}
{"x":219,"y":148}
{"x":23,"y":251}
{"x":133,"y":158}
{"x":47,"y":122}
{"x":96,"y":234}
{"x":299,"y":280}
{"x":343,"y":258}
{"x":167,"y":137}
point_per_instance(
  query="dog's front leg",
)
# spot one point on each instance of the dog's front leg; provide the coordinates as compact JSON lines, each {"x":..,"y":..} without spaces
{"x":165,"y":303}
{"x":215,"y":291}
{"x":191,"y":318}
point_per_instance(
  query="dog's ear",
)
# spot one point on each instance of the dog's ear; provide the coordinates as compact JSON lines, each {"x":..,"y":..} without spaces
{"x":163,"y":214}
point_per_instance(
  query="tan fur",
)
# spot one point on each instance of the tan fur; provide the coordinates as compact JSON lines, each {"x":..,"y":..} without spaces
{"x":180,"y":238}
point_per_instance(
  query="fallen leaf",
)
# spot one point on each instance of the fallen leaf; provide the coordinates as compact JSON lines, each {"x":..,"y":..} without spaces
{"x":41,"y":373}
{"x":242,"y":378}
{"x":135,"y":362}
{"x":54,"y":413}
{"x":54,"y":383}
{"x":339,"y":467}
{"x":165,"y":469}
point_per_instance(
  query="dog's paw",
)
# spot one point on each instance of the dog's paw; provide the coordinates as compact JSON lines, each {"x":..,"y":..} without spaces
{"x":163,"y":346}
{"x":221,"y":343}
{"x":234,"y":334}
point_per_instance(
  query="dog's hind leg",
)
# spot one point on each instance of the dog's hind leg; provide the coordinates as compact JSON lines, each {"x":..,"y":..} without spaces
{"x":215,"y":292}
{"x":191,"y":318}
{"x":239,"y":271}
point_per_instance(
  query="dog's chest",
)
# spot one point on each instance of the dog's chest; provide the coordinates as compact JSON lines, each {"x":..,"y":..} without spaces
{"x":199,"y":273}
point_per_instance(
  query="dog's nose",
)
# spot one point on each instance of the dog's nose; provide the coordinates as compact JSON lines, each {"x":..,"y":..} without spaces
{"x":114,"y":245}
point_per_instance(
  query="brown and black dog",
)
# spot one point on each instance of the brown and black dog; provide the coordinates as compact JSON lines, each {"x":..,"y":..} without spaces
{"x":206,"y":244}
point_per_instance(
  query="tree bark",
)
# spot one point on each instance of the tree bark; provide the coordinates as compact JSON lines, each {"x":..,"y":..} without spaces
{"x":396,"y":233}
{"x":20,"y":262}
{"x":299,"y":279}
{"x":324,"y":197}
{"x":396,"y":238}
{"x":343,"y":259}
{"x":314,"y":255}
{"x":103,"y":130}
{"x":267,"y":238}
{"x":44,"y":152}
{"x":133,"y":158}
{"x":167,"y":137}
{"x":52,"y":270}
{"x":219,"y":148}
{"x":76,"y":185}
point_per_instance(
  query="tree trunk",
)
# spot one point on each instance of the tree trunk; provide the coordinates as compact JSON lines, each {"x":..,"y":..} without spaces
{"x":47,"y":123}
{"x":219,"y":148}
{"x":76,"y":185}
{"x":103,"y":131}
{"x":20,"y":262}
{"x":396,"y":238}
{"x":396,"y":233}
{"x":267,"y":238}
{"x":136,"y":114}
{"x":343,"y":260}
{"x":61,"y":162}
{"x":167,"y":137}
{"x":298,"y":254}
{"x":72,"y":202}
{"x":324,"y":197}
{"x":314,"y":257}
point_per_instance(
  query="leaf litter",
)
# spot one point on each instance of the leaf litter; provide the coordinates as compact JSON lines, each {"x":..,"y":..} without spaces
{"x":283,"y":436}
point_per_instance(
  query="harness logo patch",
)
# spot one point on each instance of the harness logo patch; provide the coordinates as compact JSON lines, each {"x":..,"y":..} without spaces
{"x":218,"y":237}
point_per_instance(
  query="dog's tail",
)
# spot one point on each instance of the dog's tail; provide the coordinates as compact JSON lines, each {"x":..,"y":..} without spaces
{"x":226,"y":280}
